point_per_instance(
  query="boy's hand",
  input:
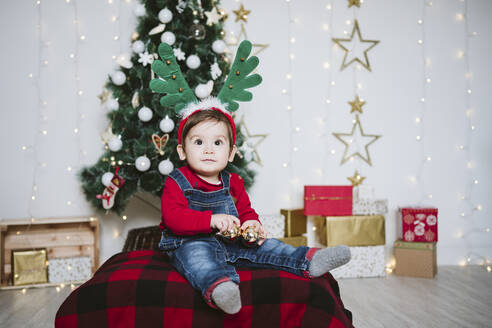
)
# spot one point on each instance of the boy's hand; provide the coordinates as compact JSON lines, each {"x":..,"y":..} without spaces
{"x":224,"y":222}
{"x":257,"y":227}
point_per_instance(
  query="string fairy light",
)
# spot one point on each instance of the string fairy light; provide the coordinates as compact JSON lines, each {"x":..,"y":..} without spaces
{"x":290,"y":43}
{"x":470,"y":209}
{"x":420,"y":117}
{"x":327,"y":65}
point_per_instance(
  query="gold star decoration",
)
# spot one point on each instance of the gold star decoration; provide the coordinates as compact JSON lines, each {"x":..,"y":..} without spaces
{"x":356,"y":105}
{"x":212,"y":16}
{"x":234,"y":43}
{"x":354,"y":3}
{"x":104,"y":96}
{"x":250,"y":142}
{"x":356,"y":179}
{"x":350,"y":140}
{"x":353,"y":47}
{"x":241,"y":14}
{"x":223,"y":14}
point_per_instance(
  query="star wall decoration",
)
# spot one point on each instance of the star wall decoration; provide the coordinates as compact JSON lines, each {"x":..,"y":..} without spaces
{"x":352,"y":141}
{"x":354,"y":3}
{"x":241,"y":14}
{"x":356,"y":105}
{"x":252,"y":142}
{"x":352,"y":46}
{"x":356,"y":179}
{"x":233,"y":44}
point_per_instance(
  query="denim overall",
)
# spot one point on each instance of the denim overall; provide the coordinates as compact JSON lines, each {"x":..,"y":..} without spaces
{"x":206,"y":261}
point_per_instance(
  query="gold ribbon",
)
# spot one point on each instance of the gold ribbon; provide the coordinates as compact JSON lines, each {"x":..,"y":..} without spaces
{"x":313,"y":197}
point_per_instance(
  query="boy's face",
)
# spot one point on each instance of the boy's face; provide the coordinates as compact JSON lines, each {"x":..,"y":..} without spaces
{"x":207,"y":149}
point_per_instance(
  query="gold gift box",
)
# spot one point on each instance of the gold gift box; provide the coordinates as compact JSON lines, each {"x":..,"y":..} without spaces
{"x":29,"y":267}
{"x":415,"y":259}
{"x":295,"y":222}
{"x":356,"y":230}
{"x":295,"y":241}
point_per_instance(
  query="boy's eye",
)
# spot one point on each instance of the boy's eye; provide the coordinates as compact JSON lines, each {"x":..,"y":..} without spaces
{"x":198,"y":142}
{"x":218,"y":142}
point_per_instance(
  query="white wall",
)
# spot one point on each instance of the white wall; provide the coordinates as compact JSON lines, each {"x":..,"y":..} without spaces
{"x":392,"y":90}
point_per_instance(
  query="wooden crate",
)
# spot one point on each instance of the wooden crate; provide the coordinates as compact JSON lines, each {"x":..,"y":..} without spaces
{"x":62,"y":237}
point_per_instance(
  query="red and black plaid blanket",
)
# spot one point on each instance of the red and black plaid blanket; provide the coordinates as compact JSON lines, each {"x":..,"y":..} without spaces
{"x":142,"y":289}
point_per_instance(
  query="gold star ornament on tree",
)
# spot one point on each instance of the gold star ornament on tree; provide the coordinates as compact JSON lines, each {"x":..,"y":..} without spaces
{"x":353,"y":140}
{"x":356,"y":179}
{"x":241,"y":14}
{"x":356,"y":105}
{"x":353,"y":47}
{"x":104,"y":96}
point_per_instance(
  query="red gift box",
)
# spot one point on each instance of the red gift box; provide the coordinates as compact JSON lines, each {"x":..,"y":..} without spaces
{"x":328,"y":200}
{"x":419,"y":224}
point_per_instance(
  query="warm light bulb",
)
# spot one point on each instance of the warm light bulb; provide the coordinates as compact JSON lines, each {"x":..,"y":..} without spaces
{"x":326,"y":65}
{"x":69,"y":169}
{"x":297,"y":129}
{"x":124,"y":217}
{"x":284,"y":164}
{"x":328,"y":6}
{"x":295,"y":149}
{"x":420,"y":41}
{"x":326,"y":27}
{"x":289,"y":107}
{"x":332,"y":83}
{"x":292,"y":40}
{"x":420,"y":21}
{"x":479,"y":207}
{"x":292,"y":56}
{"x":418,"y":138}
{"x":459,"y":17}
{"x":333,"y":151}
{"x":422,"y":99}
{"x":428,"y":158}
{"x":82,"y":37}
{"x":69,"y":203}
{"x":288,"y":76}
{"x":418,"y":119}
{"x":348,"y":22}
{"x":284,"y":91}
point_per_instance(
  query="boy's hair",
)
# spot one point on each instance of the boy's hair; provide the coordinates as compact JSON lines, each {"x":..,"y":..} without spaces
{"x":207,"y":115}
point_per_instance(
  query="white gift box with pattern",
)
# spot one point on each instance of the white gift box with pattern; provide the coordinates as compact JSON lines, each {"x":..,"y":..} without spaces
{"x":364,"y":203}
{"x":69,"y":269}
{"x":274,"y":225}
{"x":366,"y":261}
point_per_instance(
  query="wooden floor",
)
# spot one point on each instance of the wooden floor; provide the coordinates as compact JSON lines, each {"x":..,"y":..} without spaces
{"x":457,"y":297}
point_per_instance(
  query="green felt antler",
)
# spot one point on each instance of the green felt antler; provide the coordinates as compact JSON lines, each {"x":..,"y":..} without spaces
{"x":177,"y":91}
{"x":238,"y":79}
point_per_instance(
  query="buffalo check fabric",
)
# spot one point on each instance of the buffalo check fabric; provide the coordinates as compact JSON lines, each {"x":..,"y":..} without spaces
{"x":142,"y":289}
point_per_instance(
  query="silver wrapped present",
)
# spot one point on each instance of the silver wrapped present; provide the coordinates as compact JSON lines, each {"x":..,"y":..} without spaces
{"x":366,"y":261}
{"x":274,"y":225}
{"x":69,"y":269}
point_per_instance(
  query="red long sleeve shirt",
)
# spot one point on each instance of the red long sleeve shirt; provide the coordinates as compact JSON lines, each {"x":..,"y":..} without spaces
{"x":180,"y":219}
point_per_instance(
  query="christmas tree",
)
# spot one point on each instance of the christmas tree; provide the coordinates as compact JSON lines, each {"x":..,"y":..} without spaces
{"x":142,"y":135}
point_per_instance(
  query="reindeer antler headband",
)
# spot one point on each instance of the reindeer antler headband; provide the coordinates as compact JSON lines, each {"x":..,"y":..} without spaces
{"x":177,"y":92}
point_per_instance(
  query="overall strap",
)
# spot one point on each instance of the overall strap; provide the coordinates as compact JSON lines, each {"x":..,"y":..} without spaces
{"x":180,"y":179}
{"x":224,"y":175}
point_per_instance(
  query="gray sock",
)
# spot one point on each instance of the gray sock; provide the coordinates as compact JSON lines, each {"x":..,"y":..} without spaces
{"x":327,"y":259}
{"x":227,"y":297}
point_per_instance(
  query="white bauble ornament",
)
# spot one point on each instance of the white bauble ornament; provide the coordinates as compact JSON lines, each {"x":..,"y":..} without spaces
{"x":142,"y":163}
{"x":139,"y":10}
{"x":204,"y":90}
{"x":118,"y":78}
{"x":112,"y":104}
{"x":138,"y":46}
{"x":166,"y":125}
{"x":218,"y":46}
{"x":145,"y":114}
{"x":168,"y":37}
{"x":193,"y":61}
{"x":106,"y":178}
{"x":115,"y":144}
{"x":166,"y":167}
{"x":165,"y":15}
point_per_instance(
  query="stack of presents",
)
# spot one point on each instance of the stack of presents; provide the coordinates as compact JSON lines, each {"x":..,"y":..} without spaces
{"x":352,"y":216}
{"x":415,"y":252}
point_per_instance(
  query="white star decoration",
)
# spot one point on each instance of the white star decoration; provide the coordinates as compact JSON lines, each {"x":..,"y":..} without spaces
{"x":215,"y":71}
{"x":145,"y":58}
{"x":354,"y":140}
{"x":179,"y":54}
{"x":212,"y":17}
